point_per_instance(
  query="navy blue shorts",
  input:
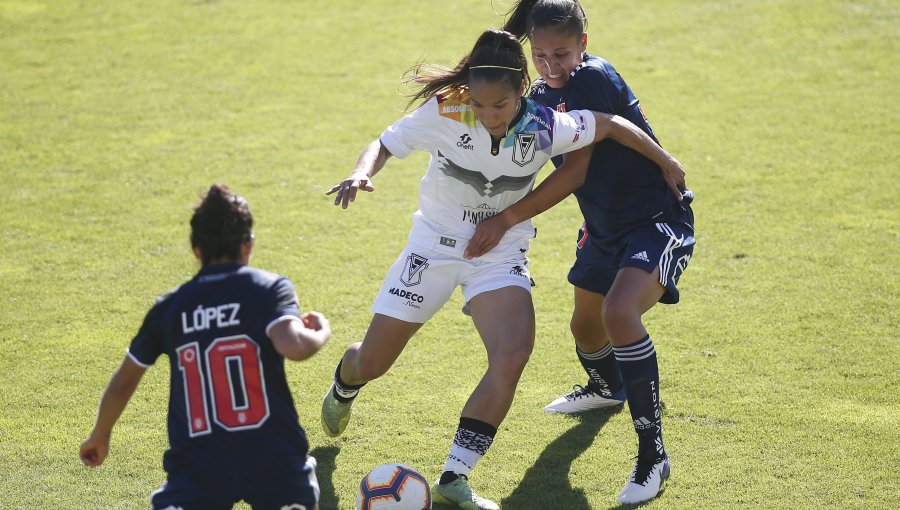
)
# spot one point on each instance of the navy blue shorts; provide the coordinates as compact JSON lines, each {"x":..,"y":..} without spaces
{"x":183,"y":491}
{"x":668,"y":246}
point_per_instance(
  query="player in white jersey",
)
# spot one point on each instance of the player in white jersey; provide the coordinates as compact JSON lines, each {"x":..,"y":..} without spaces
{"x":487,"y":143}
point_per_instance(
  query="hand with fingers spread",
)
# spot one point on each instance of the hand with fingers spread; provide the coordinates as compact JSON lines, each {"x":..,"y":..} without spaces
{"x":346,"y":190}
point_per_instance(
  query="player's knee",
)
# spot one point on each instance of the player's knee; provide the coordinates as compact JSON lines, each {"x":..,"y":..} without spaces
{"x":513,"y":359}
{"x":587,"y":331}
{"x":618,"y":315}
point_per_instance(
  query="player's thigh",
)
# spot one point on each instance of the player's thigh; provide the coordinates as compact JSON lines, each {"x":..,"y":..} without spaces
{"x":504,"y":319}
{"x":633,"y":292}
{"x":384,"y":341}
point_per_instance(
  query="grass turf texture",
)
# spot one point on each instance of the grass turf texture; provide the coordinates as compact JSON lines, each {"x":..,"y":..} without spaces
{"x":779,"y":369}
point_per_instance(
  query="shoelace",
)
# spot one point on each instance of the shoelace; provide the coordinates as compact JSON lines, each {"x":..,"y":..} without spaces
{"x":642,"y":470}
{"x":580,"y":391}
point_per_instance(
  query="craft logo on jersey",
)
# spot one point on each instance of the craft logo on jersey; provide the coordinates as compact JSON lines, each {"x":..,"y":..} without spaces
{"x":465,"y":142}
{"x":517,"y":270}
{"x":523,"y":149}
{"x":412,"y":272}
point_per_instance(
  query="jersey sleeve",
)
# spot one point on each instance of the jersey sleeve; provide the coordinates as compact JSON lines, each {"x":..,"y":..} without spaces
{"x":595,"y":88}
{"x":286,"y":304}
{"x":147,"y":344}
{"x":412,"y":132}
{"x":572,"y":131}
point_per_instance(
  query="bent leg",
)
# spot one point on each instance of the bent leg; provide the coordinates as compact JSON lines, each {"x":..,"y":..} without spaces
{"x":505,"y":320}
{"x":587,"y":321}
{"x":633,"y":293}
{"x":384,"y":341}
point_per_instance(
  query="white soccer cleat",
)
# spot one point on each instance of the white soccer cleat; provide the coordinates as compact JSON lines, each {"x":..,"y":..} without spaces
{"x":458,"y":493}
{"x":585,"y":398}
{"x":646,"y":481}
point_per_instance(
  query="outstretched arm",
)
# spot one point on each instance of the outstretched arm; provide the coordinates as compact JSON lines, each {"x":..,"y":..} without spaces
{"x":372,"y":159}
{"x":121,"y":387}
{"x":298,"y":340}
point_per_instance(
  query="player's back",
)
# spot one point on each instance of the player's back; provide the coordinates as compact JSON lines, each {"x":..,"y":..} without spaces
{"x":231,"y":415}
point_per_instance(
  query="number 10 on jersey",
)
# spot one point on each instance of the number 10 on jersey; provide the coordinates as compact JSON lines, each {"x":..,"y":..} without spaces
{"x":232,"y":370}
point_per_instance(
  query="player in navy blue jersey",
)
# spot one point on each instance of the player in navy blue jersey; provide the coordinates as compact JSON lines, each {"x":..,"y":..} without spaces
{"x":636,"y":240}
{"x":233,"y":429}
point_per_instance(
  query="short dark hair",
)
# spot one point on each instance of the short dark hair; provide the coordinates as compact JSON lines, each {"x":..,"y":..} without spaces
{"x":221,"y":223}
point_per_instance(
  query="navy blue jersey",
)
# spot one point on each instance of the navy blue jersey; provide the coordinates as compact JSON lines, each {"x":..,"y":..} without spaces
{"x":231,"y":415}
{"x":623,"y":189}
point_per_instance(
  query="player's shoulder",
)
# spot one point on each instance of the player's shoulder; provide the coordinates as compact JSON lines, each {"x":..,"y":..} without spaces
{"x":261,"y":277}
{"x":593,"y":68}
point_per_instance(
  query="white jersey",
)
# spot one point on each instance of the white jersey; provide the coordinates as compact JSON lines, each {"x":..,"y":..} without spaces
{"x":469,"y":177}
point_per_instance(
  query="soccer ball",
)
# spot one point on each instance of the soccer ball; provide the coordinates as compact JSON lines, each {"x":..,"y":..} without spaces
{"x":393,"y":487}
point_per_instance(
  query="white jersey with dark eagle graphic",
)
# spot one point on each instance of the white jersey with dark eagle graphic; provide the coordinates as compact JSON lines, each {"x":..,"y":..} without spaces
{"x":470,"y":177}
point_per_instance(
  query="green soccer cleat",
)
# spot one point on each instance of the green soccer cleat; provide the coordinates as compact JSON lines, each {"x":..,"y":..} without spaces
{"x":459,"y":493}
{"x":335,"y":414}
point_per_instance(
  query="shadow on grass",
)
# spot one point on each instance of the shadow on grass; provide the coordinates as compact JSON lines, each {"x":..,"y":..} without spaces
{"x":325,"y":460}
{"x":546,"y":483}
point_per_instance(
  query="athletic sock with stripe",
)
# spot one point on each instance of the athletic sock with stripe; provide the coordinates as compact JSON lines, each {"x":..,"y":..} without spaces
{"x":344,"y":392}
{"x":640,"y":374}
{"x":603,"y":374}
{"x":472,"y":440}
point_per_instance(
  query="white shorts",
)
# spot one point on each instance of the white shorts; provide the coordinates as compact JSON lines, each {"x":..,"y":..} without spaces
{"x":428,"y":270}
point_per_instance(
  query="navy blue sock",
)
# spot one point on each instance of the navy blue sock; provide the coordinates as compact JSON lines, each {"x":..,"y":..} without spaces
{"x":601,"y":368}
{"x":640,"y":373}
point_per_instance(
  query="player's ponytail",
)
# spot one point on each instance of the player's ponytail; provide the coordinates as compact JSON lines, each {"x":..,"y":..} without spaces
{"x":527,"y":15}
{"x":221,"y":223}
{"x":497,"y":56}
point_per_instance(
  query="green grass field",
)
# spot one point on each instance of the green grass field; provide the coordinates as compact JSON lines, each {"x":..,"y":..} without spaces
{"x":780,"y":368}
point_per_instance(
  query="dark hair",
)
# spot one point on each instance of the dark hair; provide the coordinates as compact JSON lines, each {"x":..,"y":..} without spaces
{"x":221,"y":223}
{"x":530,"y":14}
{"x":497,"y":56}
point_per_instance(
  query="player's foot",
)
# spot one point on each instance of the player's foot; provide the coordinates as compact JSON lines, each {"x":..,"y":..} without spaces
{"x":585,"y":398}
{"x":460,"y":494}
{"x":335,"y":414}
{"x":646,"y":480}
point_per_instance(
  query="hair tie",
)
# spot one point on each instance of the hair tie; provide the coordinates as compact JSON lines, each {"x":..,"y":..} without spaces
{"x":497,"y":67}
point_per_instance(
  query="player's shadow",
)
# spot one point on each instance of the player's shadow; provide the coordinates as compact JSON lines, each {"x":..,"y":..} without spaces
{"x":546,"y":483}
{"x":325,"y":466}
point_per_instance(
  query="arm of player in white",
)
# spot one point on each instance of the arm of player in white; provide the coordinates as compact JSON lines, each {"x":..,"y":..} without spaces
{"x":370,"y":161}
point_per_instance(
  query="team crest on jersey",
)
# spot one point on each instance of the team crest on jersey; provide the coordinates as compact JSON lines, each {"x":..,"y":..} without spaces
{"x":412,"y":271}
{"x":523,"y":149}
